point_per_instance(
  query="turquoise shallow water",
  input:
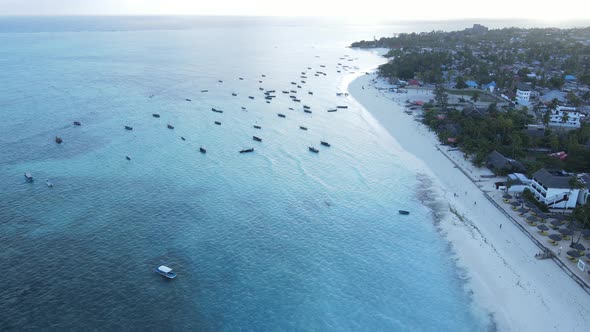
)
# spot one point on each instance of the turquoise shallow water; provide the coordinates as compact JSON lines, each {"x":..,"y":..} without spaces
{"x":280,"y":239}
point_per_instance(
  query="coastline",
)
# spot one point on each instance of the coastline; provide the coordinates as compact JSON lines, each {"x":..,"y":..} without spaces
{"x":520,"y":292}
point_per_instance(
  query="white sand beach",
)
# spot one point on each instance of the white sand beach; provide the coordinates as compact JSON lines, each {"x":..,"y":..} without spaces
{"x":522,"y":293}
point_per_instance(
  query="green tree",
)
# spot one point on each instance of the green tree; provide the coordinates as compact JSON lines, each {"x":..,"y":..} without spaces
{"x":475,"y":97}
{"x":441,"y":97}
{"x":460,"y":83}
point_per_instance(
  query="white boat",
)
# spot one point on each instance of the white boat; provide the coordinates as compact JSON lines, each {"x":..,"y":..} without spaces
{"x":49,"y":183}
{"x":165,"y":271}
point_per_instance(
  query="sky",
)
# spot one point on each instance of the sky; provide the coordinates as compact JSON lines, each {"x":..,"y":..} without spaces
{"x":394,"y":9}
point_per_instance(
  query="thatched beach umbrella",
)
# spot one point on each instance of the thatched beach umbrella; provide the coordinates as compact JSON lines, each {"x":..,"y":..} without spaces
{"x":507,"y":196}
{"x":559,"y":217}
{"x":522,"y":210}
{"x":543,"y":228}
{"x":574,"y":254}
{"x":531,"y":219}
{"x":530,"y":205}
{"x":565,"y":231}
{"x":555,"y":237}
{"x":515,"y":204}
{"x":541,"y":215}
{"x":556,"y":223}
{"x":578,"y":246}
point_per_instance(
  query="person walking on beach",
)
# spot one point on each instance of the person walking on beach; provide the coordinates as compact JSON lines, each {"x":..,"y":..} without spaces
{"x":559,"y":251}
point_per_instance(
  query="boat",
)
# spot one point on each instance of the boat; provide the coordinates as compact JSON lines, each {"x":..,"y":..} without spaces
{"x":218,"y":123}
{"x":250,"y":97}
{"x":182,"y":138}
{"x":332,"y":110}
{"x":247,"y":150}
{"x":263,"y":75}
{"x":220,"y":81}
{"x":312,"y":149}
{"x":243,"y":108}
{"x":293,"y":91}
{"x":294,"y":83}
{"x":155,"y":115}
{"x":341,"y":106}
{"x":216,"y":110}
{"x":281,"y":115}
{"x":306,"y":107}
{"x":284,"y":91}
{"x":291,"y":108}
{"x":257,"y":139}
{"x":191,"y":100}
{"x":170,"y":126}
{"x":204,"y":90}
{"x":76,"y":123}
{"x":234,"y":94}
{"x":257,"y":127}
{"x":268,"y":101}
{"x":309,"y":92}
{"x":58,"y":140}
{"x":299,"y":86}
{"x":323,"y":66}
{"x":297,"y":100}
{"x":302,"y":81}
{"x":302,"y":128}
{"x":128,"y":128}
{"x":261,"y":88}
{"x":202,"y":150}
{"x":165,"y":271}
{"x":259,"y":81}
{"x":324,"y":143}
{"x":307,"y":111}
{"x":29,"y":177}
{"x":48,"y":183}
{"x":241,"y":78}
{"x":404,"y":212}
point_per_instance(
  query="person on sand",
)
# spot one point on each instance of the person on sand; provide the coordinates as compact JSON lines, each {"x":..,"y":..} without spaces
{"x":559,"y":251}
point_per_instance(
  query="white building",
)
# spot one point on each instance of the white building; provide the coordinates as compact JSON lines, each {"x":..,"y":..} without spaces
{"x":553,"y":189}
{"x":523,"y":94}
{"x":572,"y":120}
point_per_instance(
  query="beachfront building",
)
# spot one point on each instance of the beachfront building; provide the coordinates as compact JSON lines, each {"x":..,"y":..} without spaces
{"x":553,"y":188}
{"x":565,"y":117}
{"x":499,"y":164}
{"x":523,"y":94}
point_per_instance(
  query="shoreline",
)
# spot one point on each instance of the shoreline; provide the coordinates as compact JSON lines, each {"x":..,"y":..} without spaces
{"x":519,"y":291}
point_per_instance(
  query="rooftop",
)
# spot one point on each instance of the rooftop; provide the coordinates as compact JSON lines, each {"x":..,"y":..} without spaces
{"x":553,"y":178}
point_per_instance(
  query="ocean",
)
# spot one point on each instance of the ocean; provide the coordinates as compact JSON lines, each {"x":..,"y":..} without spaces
{"x":278,"y":239}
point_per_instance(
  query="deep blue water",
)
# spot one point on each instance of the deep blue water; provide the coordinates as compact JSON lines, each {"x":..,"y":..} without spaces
{"x":280,"y":239}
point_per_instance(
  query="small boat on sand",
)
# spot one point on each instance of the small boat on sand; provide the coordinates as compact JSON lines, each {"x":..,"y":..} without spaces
{"x":251,"y":97}
{"x":48,"y":183}
{"x":28,"y":177}
{"x":128,"y":128}
{"x":202,"y":150}
{"x":77,"y":123}
{"x":216,"y":110}
{"x":307,"y":111}
{"x":257,"y":127}
{"x":188,"y":99}
{"x":281,"y":115}
{"x":257,"y":139}
{"x":324,"y":143}
{"x":156,"y":115}
{"x":302,"y":128}
{"x":312,"y":149}
{"x":234,"y":94}
{"x":165,"y":271}
{"x":127,"y":157}
{"x":218,"y":123}
{"x":204,"y":90}
{"x":182,"y":138}
{"x":404,"y":212}
{"x":332,"y":110}
{"x":341,"y":106}
{"x":247,"y":150}
{"x":170,"y":126}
